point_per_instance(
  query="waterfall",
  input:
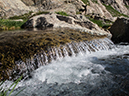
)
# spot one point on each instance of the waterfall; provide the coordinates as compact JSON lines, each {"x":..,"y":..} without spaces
{"x":57,"y":53}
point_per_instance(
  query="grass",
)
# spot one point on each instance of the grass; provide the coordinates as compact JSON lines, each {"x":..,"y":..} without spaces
{"x":114,"y":12}
{"x":10,"y":24}
{"x":62,"y":13}
{"x":24,"y":16}
{"x":127,"y":6}
{"x":4,"y":92}
{"x":40,"y":12}
{"x":100,"y":23}
{"x":94,"y":1}
{"x":7,"y":24}
{"x":86,"y":2}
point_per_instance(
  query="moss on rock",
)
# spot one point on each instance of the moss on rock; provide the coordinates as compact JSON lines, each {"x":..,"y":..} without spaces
{"x":21,"y":45}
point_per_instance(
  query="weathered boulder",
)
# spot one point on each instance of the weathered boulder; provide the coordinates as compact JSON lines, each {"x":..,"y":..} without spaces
{"x":120,"y":30}
{"x":78,"y":22}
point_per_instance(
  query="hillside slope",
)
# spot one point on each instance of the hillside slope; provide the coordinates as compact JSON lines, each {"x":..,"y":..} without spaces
{"x":102,"y":8}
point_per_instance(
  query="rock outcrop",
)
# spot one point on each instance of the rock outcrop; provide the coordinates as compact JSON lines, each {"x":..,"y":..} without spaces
{"x":17,"y":7}
{"x":120,"y":30}
{"x":13,"y":7}
{"x":118,"y":5}
{"x":98,"y":9}
{"x":79,"y":22}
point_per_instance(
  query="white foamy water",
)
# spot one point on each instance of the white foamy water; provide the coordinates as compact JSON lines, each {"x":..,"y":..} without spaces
{"x":97,"y":73}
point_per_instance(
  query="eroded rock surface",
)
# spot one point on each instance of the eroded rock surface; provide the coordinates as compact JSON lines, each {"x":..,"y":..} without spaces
{"x":79,"y":22}
{"x":17,"y":7}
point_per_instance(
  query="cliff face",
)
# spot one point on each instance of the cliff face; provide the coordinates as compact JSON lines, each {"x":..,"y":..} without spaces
{"x":94,"y":7}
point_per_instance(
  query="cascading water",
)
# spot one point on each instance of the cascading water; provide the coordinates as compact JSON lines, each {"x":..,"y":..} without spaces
{"x":56,"y":53}
{"x":95,"y":68}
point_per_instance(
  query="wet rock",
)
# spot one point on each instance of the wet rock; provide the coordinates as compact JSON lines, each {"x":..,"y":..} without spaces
{"x":120,"y":30}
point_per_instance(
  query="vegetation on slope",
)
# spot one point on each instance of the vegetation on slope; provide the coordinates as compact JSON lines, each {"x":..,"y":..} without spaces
{"x":114,"y":12}
{"x":101,"y":23}
{"x":86,"y":2}
{"x":12,"y":24}
{"x":7,"y":24}
{"x":62,"y":13}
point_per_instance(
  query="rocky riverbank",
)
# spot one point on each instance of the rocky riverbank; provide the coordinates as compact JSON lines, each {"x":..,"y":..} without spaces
{"x":57,"y":23}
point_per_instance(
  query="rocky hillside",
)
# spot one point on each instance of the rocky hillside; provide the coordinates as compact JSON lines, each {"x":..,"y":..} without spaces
{"x":101,"y":8}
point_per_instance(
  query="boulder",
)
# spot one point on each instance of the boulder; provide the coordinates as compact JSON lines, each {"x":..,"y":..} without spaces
{"x":120,"y":30}
{"x":78,"y":22}
{"x":41,"y":23}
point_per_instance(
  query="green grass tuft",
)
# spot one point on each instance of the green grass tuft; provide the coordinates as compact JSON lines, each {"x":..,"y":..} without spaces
{"x":10,"y":23}
{"x":94,"y":1}
{"x":4,"y":92}
{"x":62,"y":13}
{"x":40,"y":12}
{"x":100,"y":23}
{"x":86,"y":2}
{"x":7,"y":24}
{"x":24,"y":16}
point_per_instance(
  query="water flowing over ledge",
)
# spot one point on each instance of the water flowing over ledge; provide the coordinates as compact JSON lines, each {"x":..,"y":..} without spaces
{"x":57,"y":53}
{"x":22,"y":45}
{"x":100,"y":73}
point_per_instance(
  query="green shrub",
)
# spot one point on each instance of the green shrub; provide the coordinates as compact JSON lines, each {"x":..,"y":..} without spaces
{"x":62,"y":13}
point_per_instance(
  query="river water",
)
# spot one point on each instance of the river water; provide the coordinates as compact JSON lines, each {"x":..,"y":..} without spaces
{"x":100,"y":73}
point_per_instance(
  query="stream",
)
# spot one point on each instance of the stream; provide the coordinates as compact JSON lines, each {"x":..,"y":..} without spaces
{"x":100,"y":73}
